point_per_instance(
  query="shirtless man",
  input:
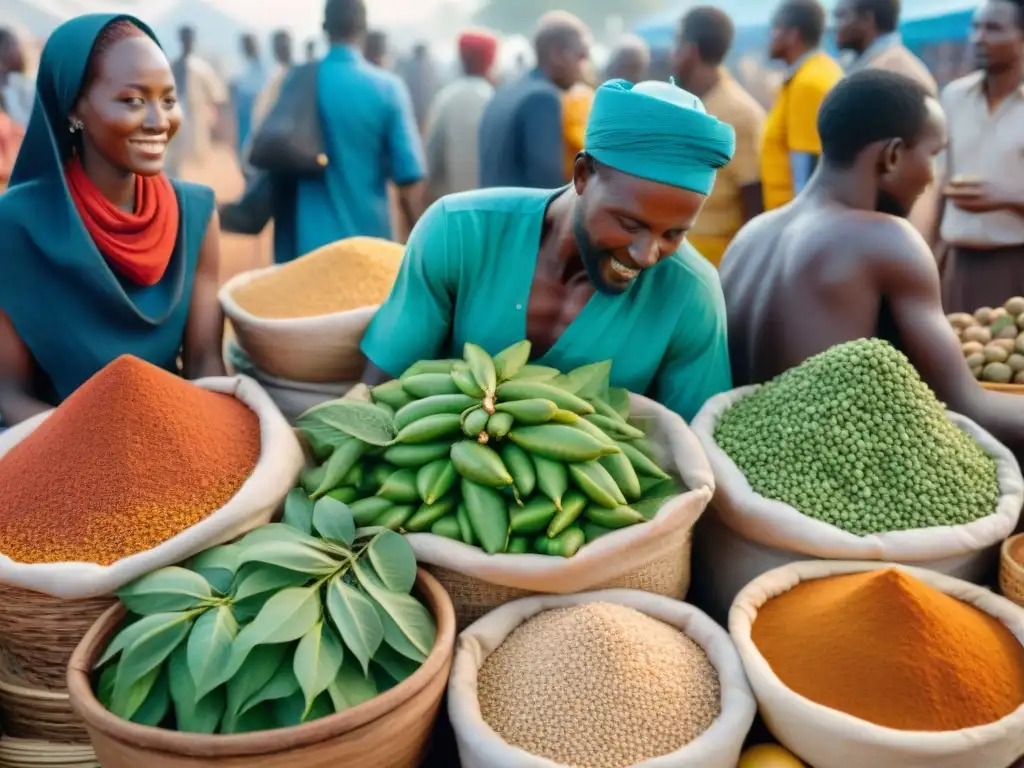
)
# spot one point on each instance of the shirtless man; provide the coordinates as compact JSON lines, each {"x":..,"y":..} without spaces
{"x":841,"y":262}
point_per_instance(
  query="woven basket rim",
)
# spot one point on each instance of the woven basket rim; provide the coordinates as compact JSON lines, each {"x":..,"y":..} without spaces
{"x":97,"y":717}
{"x":236,"y":313}
{"x":1007,"y":560}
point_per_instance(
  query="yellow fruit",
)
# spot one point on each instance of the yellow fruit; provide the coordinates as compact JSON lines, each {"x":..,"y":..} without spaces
{"x":768,"y":756}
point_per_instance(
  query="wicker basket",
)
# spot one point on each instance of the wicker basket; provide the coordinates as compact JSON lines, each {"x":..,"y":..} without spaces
{"x":390,"y":731}
{"x":30,"y":712}
{"x":1011,"y":570}
{"x":26,"y":753}
{"x":1010,"y":389}
{"x":39,"y":633}
{"x":667,"y":574}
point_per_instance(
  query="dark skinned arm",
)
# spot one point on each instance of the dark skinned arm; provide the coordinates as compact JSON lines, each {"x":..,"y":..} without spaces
{"x":410,"y":203}
{"x":909,"y":280}
{"x":18,"y":401}
{"x":204,"y":332}
{"x":405,"y":152}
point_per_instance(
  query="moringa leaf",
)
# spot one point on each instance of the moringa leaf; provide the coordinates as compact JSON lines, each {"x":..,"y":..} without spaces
{"x":317,"y":660}
{"x":393,"y":561}
{"x":334,"y":521}
{"x":209,"y":648}
{"x":356,"y":620}
{"x":298,"y":511}
{"x":192,"y":714}
{"x":165,"y":591}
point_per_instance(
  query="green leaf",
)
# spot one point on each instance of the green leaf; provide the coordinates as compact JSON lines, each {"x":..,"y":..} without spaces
{"x":340,"y":464}
{"x":360,"y":420}
{"x":356,"y":620}
{"x":403,"y":616}
{"x":157,"y":704}
{"x":333,"y":520}
{"x":394,"y":561}
{"x":282,"y":685}
{"x":258,"y":579}
{"x":276,"y":533}
{"x":105,"y":686}
{"x":169,"y":589}
{"x":219,"y":579}
{"x":261,"y":718}
{"x":292,"y":556}
{"x":317,"y":660}
{"x":126,"y":636}
{"x":384,"y":681}
{"x":587,"y":381}
{"x":398,"y":667}
{"x":130,"y":695}
{"x":286,"y":616}
{"x":224,"y":557}
{"x":209,"y":648}
{"x":192,"y":715}
{"x":618,"y":398}
{"x":351,"y":687}
{"x":145,"y":655}
{"x":256,"y":671}
{"x":298,"y":511}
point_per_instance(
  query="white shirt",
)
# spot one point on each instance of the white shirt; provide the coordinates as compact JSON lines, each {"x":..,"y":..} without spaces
{"x":453,"y":135}
{"x":989,"y":145}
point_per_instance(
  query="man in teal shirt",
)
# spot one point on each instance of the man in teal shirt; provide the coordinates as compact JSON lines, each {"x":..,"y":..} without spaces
{"x":597,"y":270}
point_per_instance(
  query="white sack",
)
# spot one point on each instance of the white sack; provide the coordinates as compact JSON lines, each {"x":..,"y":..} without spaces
{"x":324,"y":348}
{"x":481,"y":747}
{"x":281,"y":459}
{"x":826,"y":738}
{"x":750,"y":534}
{"x":293,"y":398}
{"x":611,"y":556}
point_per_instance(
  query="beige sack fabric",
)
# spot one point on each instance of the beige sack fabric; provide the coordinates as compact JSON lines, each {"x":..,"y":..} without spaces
{"x":281,"y":460}
{"x":653,"y":556}
{"x":826,"y":738}
{"x":481,"y":747}
{"x":747,"y":534}
{"x":293,"y":398}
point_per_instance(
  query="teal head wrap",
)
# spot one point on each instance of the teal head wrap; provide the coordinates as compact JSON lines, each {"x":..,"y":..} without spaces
{"x":659,"y":132}
{"x":73,"y":312}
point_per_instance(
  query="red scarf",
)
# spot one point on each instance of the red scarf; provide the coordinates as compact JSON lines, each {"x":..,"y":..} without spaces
{"x":139,"y":245}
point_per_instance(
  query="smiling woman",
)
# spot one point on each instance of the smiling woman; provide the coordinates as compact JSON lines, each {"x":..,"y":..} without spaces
{"x":104,"y":255}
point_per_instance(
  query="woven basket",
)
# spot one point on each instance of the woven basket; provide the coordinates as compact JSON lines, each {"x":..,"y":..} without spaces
{"x":31,"y":712}
{"x":666,"y":574}
{"x":1011,"y":570}
{"x":389,"y":731}
{"x":1010,"y":389}
{"x":39,"y":633}
{"x":26,"y":753}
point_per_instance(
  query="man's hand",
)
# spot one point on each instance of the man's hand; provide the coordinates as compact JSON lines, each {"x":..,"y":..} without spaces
{"x":977,"y":196}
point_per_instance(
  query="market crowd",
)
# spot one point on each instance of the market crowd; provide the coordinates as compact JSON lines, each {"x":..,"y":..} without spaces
{"x":761,"y":215}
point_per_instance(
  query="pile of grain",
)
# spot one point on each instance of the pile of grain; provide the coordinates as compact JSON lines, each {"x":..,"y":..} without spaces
{"x":598,"y":686}
{"x":346,"y":275}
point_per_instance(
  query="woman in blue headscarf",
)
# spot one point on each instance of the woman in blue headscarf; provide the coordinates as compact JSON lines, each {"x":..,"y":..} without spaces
{"x":102,"y":254}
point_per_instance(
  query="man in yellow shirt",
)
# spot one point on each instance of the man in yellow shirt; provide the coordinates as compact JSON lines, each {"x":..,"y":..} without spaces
{"x":703,"y":40}
{"x":791,"y":144}
{"x":576,"y":104}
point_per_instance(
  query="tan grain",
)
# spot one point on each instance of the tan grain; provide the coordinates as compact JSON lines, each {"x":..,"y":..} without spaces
{"x":346,"y":275}
{"x":598,"y":686}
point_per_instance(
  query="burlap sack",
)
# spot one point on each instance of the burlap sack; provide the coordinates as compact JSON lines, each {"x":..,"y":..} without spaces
{"x":826,"y":738}
{"x":293,"y":398}
{"x":746,"y":534}
{"x":653,"y":557}
{"x":281,"y":460}
{"x":481,"y":747}
{"x":309,"y":349}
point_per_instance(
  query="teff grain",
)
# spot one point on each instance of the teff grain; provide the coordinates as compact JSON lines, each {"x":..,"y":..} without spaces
{"x":598,"y":686}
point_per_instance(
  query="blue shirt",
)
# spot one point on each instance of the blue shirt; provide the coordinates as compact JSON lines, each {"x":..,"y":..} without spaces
{"x":468,"y":273}
{"x":522,"y":143}
{"x":371,"y":137}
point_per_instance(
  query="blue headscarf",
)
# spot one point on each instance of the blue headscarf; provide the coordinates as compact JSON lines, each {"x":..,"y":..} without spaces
{"x":667,"y":137}
{"x":73,"y":312}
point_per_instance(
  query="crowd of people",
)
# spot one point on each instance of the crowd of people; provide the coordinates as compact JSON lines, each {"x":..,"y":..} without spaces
{"x":678,"y":228}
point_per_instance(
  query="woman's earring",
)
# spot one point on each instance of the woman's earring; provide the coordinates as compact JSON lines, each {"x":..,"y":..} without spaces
{"x":75,"y":125}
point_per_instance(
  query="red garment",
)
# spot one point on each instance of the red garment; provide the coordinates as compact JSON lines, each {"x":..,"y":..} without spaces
{"x":139,"y":244}
{"x":478,"y":51}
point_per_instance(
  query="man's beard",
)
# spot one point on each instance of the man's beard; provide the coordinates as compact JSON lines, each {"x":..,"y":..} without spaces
{"x":591,"y":255}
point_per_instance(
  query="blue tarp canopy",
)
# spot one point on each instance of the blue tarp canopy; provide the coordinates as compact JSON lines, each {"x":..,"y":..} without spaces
{"x":923,"y":22}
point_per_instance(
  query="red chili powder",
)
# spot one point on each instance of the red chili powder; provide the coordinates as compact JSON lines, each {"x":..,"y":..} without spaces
{"x":132,"y":458}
